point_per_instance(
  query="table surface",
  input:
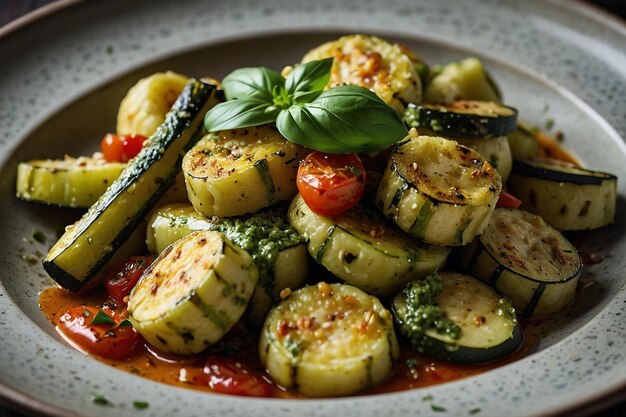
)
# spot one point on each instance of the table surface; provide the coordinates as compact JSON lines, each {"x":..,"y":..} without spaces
{"x":12,"y":9}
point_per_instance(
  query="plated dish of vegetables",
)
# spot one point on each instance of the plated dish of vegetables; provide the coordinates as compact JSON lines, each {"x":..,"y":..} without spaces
{"x":316,"y":232}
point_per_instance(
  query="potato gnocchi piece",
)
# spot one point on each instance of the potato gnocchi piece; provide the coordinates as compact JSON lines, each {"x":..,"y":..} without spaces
{"x":144,"y":107}
{"x":373,"y":63}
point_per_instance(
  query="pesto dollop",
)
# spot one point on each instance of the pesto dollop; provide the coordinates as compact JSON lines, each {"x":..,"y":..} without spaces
{"x":263,"y":236}
{"x":416,"y":312}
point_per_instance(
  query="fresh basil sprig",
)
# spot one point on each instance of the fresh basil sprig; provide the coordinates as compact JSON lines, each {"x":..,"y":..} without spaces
{"x":340,"y":120}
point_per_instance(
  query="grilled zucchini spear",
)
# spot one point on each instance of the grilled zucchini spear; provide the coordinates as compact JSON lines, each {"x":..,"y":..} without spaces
{"x":90,"y":242}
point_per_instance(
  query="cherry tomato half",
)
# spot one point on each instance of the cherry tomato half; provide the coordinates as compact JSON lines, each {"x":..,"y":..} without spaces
{"x":227,"y":376}
{"x":331,"y":184}
{"x":121,"y":148}
{"x":508,"y":200}
{"x":119,"y":284}
{"x":105,"y":340}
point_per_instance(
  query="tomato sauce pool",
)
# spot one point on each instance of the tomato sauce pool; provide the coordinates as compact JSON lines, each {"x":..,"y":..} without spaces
{"x":412,"y":370}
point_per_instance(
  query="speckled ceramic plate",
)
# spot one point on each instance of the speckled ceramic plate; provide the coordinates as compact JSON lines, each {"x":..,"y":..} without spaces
{"x":62,"y":75}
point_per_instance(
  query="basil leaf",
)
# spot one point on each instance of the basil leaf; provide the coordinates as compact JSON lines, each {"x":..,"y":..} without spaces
{"x":343,"y":119}
{"x":252,"y":84}
{"x":239,"y":113}
{"x":102,"y":318}
{"x":307,"y":79}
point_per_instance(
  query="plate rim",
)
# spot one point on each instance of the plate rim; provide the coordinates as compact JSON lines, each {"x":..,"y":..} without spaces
{"x":33,"y":406}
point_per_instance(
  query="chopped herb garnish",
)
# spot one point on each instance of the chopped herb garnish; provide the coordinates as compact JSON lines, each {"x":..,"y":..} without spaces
{"x":354,"y":171}
{"x":427,"y":398}
{"x":39,"y":236}
{"x":411,"y":363}
{"x":437,"y":408}
{"x":99,"y":399}
{"x":474,"y":411}
{"x":140,"y":405}
{"x":102,"y":318}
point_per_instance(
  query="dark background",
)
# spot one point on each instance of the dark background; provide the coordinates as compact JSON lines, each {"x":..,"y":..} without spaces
{"x":12,"y":9}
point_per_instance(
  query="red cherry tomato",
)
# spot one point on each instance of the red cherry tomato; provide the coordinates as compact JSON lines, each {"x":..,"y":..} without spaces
{"x":331,"y":184}
{"x":508,"y":200}
{"x":121,"y":148}
{"x":120,"y":283}
{"x":105,"y":340}
{"x":227,"y":376}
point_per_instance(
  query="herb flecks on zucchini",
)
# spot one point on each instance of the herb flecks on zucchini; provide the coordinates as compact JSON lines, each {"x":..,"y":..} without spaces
{"x":527,"y":260}
{"x":463,"y":119}
{"x":89,"y":243}
{"x":239,"y":171}
{"x":193,"y":293}
{"x":439,"y":191}
{"x":458,"y":318}
{"x":566,"y":196}
{"x":329,"y":340}
{"x":361,"y":249}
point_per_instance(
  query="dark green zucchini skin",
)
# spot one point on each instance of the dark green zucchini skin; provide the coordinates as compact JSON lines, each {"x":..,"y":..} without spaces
{"x":182,"y":123}
{"x":466,"y":119}
{"x":529,"y":169}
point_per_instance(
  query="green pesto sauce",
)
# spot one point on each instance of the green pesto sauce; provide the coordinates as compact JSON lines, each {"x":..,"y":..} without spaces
{"x":263,"y":236}
{"x":416,"y":312}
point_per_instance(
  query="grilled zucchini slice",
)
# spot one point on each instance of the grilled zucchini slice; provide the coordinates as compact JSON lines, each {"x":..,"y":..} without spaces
{"x":527,"y":260}
{"x":146,"y":104}
{"x":193,"y":293}
{"x":89,"y":243}
{"x":437,"y":190}
{"x":361,"y":249}
{"x":68,"y":182}
{"x":467,"y":79}
{"x":329,"y":340}
{"x":239,"y":171}
{"x":276,"y":248}
{"x":373,"y":63}
{"x":458,"y":318}
{"x":463,"y":119}
{"x":566,"y":196}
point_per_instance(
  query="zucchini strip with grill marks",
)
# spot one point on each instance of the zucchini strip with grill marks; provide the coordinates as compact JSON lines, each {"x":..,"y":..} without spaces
{"x":437,"y":190}
{"x":193,"y":293}
{"x":329,"y":340}
{"x":458,"y":318}
{"x":566,"y":196}
{"x":234,"y":172}
{"x":276,"y":248}
{"x":68,"y":182}
{"x":527,"y":260}
{"x":86,"y":245}
{"x":359,"y":248}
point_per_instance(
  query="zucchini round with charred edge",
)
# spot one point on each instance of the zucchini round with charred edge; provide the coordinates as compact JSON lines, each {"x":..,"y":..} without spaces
{"x":566,"y":196}
{"x":69,"y":182}
{"x":276,"y":248}
{"x":527,"y":260}
{"x":89,"y":243}
{"x":458,"y":318}
{"x":359,"y":248}
{"x":193,"y":293}
{"x":437,"y":190}
{"x":329,"y":340}
{"x":463,"y":119}
{"x":239,"y":171}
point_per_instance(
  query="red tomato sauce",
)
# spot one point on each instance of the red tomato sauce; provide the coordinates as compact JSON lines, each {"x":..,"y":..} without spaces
{"x":412,"y":370}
